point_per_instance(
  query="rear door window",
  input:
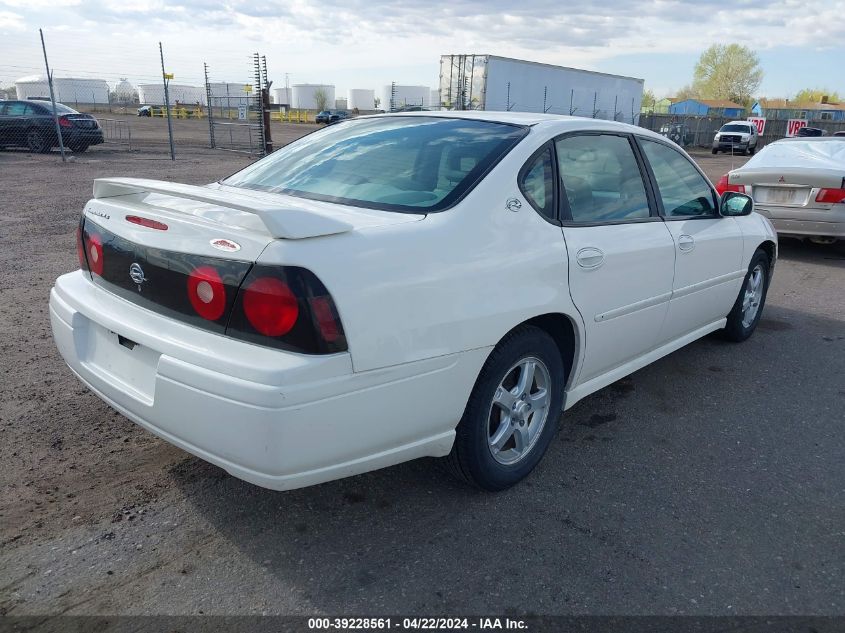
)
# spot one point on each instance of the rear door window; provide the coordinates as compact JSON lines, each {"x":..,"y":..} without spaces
{"x":601,"y":179}
{"x":17,"y":108}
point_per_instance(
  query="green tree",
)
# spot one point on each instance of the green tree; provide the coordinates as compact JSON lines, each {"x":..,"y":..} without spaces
{"x":321,"y":99}
{"x":649,"y":99}
{"x":728,"y":71}
{"x":687,"y":92}
{"x":814,"y":95}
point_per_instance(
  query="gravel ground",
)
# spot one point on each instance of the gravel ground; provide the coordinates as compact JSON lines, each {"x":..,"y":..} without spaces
{"x":710,"y":482}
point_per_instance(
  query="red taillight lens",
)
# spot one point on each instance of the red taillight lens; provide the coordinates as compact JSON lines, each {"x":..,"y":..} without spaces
{"x":324,"y":315}
{"x":94,"y":253}
{"x":270,"y":306}
{"x":722,"y":186}
{"x":147,"y":222}
{"x":65,"y":122}
{"x":831,"y":195}
{"x":207,"y":293}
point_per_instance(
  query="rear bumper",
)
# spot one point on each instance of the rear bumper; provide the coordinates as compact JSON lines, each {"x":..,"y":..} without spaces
{"x":276,"y":419}
{"x":79,"y":137}
{"x":806,"y":222}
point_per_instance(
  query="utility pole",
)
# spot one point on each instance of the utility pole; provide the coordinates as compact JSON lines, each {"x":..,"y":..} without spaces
{"x":166,"y":78}
{"x":52,"y":98}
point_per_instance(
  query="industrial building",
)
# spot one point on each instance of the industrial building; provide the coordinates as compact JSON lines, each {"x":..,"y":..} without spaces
{"x":67,"y":89}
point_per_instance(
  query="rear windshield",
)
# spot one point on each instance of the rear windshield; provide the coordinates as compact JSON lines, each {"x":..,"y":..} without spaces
{"x":410,"y":164}
{"x":735,"y":128}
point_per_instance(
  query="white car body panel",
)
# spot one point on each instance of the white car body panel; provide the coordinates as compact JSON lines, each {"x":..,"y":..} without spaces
{"x":423,"y":300}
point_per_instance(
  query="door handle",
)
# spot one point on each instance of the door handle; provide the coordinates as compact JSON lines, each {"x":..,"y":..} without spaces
{"x":589,"y":257}
{"x":686,"y":243}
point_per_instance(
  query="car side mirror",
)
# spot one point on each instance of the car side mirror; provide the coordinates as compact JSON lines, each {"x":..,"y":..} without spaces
{"x":734,"y":204}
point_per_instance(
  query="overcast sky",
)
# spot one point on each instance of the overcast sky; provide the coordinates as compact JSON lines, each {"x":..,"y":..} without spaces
{"x":366,"y":44}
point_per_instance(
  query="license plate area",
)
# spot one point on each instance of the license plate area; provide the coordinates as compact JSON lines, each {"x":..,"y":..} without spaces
{"x":122,"y":362}
{"x":792,"y":196}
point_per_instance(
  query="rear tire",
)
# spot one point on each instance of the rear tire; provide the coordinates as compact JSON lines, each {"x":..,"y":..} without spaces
{"x":512,"y":413}
{"x":745,"y":315}
{"x":751,"y":150}
{"x":36,"y":142}
{"x":714,"y":151}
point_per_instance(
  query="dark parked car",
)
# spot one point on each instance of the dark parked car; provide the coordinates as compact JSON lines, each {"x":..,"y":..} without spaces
{"x":29,"y":123}
{"x":331,"y":116}
{"x":811,"y":131}
{"x":145,"y":111}
{"x":839,"y":133}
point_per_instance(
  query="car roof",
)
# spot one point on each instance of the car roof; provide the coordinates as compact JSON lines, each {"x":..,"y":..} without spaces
{"x":556,"y":123}
{"x":811,"y":139}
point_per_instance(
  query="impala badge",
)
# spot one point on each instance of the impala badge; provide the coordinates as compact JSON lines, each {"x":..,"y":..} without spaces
{"x":136,"y":274}
{"x":513,"y":204}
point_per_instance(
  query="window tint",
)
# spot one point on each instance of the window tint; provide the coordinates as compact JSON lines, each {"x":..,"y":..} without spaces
{"x":682,"y":188}
{"x":411,"y":164}
{"x":537,"y":184}
{"x":601,"y":178}
{"x":736,"y":127}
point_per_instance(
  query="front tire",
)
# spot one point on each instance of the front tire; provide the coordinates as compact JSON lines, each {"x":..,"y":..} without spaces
{"x":745,"y":315}
{"x":714,"y":151}
{"x":512,"y":412}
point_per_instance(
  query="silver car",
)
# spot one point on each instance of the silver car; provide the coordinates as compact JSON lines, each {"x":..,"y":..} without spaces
{"x":799,"y":184}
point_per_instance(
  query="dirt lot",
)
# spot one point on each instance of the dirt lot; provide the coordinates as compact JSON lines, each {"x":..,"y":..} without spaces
{"x":711,"y":482}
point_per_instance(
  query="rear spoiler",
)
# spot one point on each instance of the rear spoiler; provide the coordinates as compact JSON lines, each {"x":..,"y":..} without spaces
{"x":288,"y":222}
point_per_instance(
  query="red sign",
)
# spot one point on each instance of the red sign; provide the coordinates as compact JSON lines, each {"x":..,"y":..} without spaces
{"x":759,"y":122}
{"x":793,"y":125}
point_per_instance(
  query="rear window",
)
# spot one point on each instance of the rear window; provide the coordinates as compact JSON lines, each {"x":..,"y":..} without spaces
{"x":736,"y":128}
{"x":410,"y":164}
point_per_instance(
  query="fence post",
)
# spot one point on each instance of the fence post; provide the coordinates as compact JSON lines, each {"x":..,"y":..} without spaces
{"x":208,"y":99}
{"x":52,"y":97}
{"x":167,"y":103}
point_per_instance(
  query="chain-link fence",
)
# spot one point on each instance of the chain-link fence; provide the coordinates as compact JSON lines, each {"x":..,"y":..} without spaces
{"x":698,"y":131}
{"x":238,"y":113}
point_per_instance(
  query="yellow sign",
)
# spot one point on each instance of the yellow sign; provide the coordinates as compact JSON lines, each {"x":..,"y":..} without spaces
{"x":168,"y":75}
{"x":248,"y":88}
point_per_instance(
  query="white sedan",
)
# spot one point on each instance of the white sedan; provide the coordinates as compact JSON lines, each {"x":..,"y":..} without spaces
{"x":401,"y":286}
{"x":799,"y":184}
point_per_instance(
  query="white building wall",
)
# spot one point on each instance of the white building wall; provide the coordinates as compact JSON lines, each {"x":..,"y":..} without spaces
{"x":361,"y":98}
{"x":153,"y":94}
{"x":67,"y":89}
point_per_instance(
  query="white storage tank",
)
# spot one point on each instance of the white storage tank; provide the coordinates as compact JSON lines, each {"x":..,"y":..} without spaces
{"x":231,"y":95}
{"x":361,"y":98}
{"x":399,"y":96}
{"x":124,"y":91}
{"x":303,"y":96}
{"x":281,"y":96}
{"x":153,"y":94}
{"x":70,"y":90}
{"x":340,"y":103}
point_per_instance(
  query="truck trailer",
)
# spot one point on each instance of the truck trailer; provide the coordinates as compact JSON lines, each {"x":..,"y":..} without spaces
{"x":490,"y":82}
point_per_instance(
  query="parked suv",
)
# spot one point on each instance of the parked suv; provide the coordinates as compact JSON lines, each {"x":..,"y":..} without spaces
{"x":29,"y":123}
{"x":736,"y":136}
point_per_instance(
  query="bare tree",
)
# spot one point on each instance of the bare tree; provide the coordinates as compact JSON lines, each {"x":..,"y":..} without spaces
{"x":321,"y":99}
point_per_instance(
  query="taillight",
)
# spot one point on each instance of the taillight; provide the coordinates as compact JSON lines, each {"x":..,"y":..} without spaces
{"x":65,"y":122}
{"x":270,"y":306}
{"x":94,"y":253}
{"x":831,"y":195}
{"x":207,"y":293}
{"x":286,"y":307}
{"x":722,"y":186}
{"x":147,"y":222}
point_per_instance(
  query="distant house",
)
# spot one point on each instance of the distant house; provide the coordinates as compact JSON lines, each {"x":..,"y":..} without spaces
{"x":707,"y":107}
{"x":660,"y":106}
{"x":812,"y":111}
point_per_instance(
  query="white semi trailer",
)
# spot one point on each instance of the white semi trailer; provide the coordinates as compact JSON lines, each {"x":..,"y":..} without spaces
{"x":489,"y":82}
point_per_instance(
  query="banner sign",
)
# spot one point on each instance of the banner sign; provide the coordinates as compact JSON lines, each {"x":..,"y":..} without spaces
{"x":793,"y":125}
{"x":759,"y":122}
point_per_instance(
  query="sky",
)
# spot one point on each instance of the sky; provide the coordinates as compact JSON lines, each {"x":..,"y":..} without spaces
{"x":368,"y":44}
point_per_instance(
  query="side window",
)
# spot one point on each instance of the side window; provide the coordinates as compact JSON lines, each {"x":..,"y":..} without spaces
{"x":684,"y":191}
{"x":537,"y":183}
{"x":16,"y":109}
{"x":601,"y":178}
